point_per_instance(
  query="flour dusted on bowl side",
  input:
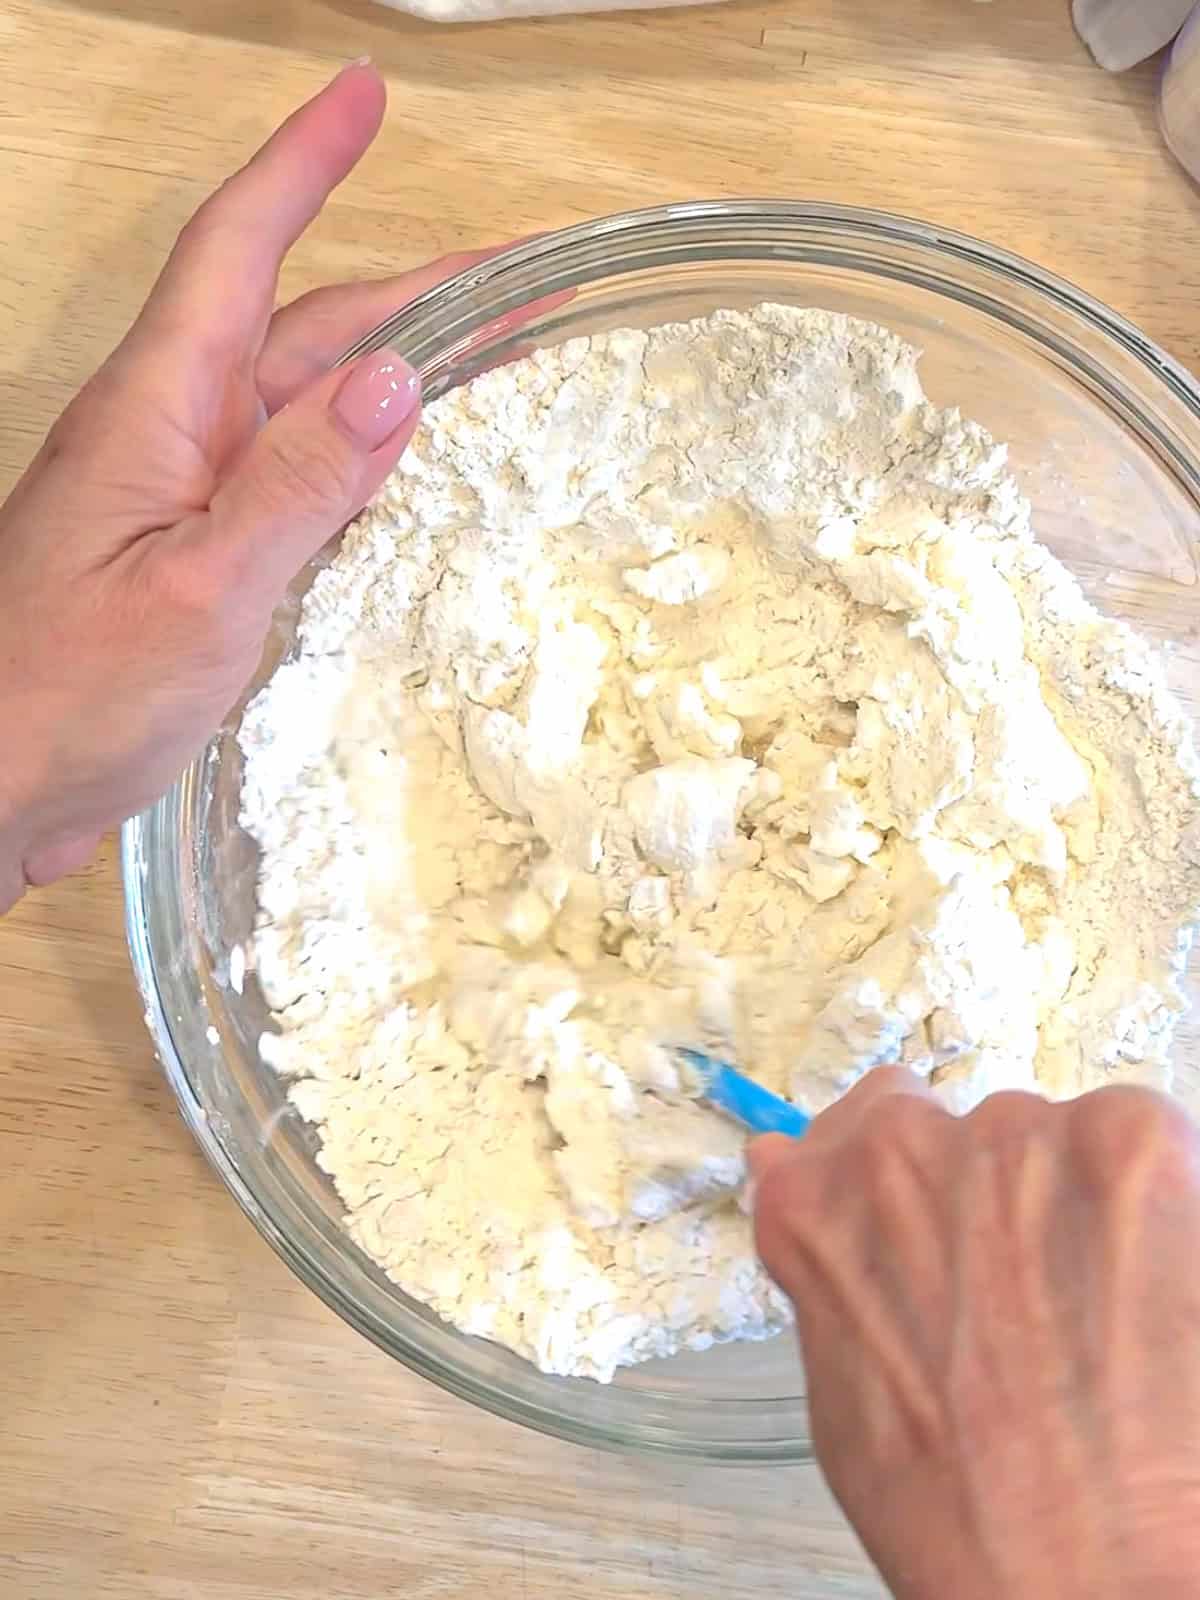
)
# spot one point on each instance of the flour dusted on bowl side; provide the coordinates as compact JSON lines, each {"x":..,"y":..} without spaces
{"x":707,"y":687}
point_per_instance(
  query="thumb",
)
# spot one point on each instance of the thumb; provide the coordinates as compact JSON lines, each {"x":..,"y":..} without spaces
{"x":313,"y":467}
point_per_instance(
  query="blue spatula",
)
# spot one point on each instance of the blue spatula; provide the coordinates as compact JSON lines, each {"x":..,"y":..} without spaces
{"x":752,"y":1105}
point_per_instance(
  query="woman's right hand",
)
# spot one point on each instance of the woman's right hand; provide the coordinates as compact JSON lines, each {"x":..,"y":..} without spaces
{"x":1000,"y":1319}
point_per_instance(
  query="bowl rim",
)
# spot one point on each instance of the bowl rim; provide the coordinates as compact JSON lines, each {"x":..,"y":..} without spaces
{"x":472,"y":301}
{"x":513,"y":264}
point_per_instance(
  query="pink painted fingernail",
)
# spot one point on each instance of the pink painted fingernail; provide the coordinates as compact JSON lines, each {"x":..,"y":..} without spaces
{"x":380,"y":392}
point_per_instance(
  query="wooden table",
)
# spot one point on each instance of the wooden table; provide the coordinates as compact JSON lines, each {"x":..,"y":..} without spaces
{"x":178,"y":1417}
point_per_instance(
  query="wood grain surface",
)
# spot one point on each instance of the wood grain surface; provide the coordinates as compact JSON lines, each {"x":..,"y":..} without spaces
{"x":178,"y":1417}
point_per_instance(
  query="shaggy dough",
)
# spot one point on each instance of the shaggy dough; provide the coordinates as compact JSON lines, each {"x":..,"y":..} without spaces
{"x":697,"y":687}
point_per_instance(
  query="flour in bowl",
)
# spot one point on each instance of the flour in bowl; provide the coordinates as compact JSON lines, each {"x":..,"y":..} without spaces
{"x":700,"y":687}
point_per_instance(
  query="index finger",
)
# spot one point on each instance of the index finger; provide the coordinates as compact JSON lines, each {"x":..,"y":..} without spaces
{"x":219,"y":283}
{"x":841,"y":1119}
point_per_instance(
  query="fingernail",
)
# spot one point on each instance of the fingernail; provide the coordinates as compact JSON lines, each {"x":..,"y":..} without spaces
{"x":381,"y":391}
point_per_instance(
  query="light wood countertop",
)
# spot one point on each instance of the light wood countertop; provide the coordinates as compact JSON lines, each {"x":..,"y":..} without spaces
{"x":179,"y":1418}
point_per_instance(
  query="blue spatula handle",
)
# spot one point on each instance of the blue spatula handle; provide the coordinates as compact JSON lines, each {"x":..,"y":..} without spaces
{"x":756,"y":1107}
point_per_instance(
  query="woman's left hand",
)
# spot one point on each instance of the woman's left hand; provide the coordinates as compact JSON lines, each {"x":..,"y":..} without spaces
{"x":213,"y":454}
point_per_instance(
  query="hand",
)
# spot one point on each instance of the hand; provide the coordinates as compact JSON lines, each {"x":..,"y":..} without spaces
{"x":1000,"y":1318}
{"x":143,"y":552}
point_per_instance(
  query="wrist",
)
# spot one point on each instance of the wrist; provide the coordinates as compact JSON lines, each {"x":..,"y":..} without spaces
{"x":1065,"y":1556}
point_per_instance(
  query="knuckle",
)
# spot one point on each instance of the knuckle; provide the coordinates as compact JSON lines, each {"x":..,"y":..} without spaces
{"x":1128,"y":1126}
{"x":899,"y":1120}
{"x":789,"y":1203}
{"x":790,"y":1189}
{"x":882,"y":1086}
{"x":1124,"y":1114}
{"x":890,"y":1080}
{"x":1009,"y":1116}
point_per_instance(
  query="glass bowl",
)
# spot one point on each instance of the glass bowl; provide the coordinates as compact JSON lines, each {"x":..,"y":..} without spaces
{"x":1105,"y":439}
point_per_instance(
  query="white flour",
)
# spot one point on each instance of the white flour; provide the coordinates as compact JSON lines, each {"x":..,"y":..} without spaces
{"x":700,"y":687}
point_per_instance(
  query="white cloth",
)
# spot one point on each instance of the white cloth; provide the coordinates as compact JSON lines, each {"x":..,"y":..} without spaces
{"x":1120,"y":33}
{"x":501,"y":10}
